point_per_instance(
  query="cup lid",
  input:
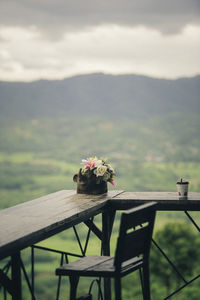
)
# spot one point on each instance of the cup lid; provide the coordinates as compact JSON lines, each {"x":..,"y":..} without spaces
{"x":182,"y":182}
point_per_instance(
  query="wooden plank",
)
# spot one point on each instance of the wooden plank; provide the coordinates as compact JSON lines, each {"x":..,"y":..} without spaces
{"x":165,"y":200}
{"x":133,"y":244}
{"x":161,"y":196}
{"x":16,"y":222}
{"x":82,"y":264}
{"x":35,"y":220}
{"x":138,"y":215}
{"x":89,"y":266}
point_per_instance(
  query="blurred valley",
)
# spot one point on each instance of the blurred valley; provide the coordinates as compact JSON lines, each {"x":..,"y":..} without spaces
{"x":148,"y":128}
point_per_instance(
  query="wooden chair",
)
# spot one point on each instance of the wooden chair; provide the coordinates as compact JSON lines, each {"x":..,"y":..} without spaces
{"x":132,"y":253}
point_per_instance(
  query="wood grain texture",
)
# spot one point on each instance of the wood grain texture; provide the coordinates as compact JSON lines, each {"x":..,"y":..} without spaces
{"x":166,"y":200}
{"x":33,"y":221}
{"x":30,"y":222}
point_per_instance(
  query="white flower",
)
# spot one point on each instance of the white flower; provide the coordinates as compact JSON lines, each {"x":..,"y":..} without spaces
{"x":98,"y":162}
{"x":100,"y":171}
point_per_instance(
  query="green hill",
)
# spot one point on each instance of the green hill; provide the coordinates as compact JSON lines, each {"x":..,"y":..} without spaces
{"x":129,"y":96}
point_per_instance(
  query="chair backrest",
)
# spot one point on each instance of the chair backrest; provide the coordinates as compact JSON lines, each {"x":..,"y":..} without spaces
{"x":135,"y":233}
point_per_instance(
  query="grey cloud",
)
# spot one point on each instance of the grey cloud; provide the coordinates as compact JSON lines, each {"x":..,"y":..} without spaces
{"x":55,"y":17}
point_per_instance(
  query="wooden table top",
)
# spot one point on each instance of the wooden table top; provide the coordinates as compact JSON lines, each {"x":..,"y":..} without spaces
{"x":33,"y":221}
{"x":166,"y":200}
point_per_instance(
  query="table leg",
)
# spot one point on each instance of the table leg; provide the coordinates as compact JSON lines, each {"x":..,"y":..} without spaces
{"x":107,"y":224}
{"x":16,"y":276}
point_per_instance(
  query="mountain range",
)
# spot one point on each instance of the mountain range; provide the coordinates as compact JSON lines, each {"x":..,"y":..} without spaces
{"x":99,"y":94}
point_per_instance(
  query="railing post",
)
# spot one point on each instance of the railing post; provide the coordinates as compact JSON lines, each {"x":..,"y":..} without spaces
{"x":107,"y":224}
{"x":16,"y":276}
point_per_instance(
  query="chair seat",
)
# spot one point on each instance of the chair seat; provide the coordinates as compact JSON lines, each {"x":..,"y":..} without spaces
{"x":102,"y":266}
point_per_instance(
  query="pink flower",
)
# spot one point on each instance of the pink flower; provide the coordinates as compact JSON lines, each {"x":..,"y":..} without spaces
{"x":89,"y":163}
{"x":84,"y":161}
{"x":113,"y":182}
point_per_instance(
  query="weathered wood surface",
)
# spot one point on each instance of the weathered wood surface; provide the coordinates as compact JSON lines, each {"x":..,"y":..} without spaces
{"x":28,"y":223}
{"x":165,"y":200}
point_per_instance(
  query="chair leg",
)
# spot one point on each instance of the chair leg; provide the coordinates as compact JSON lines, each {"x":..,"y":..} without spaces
{"x":146,"y":282}
{"x":141,"y":281}
{"x":118,"y":295}
{"x":73,"y":286}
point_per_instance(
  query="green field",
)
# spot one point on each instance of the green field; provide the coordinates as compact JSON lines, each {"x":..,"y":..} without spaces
{"x":38,"y":157}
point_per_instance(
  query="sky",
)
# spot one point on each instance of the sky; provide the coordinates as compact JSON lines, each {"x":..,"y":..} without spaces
{"x":55,"y":39}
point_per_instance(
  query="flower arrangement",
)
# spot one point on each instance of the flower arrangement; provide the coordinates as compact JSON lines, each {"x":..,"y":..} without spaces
{"x":99,"y":168}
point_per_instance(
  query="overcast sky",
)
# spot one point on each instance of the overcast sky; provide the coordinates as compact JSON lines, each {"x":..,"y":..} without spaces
{"x":54,"y":39}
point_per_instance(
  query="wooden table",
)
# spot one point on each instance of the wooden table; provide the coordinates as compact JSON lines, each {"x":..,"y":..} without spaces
{"x":31,"y":222}
{"x":167,"y":201}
